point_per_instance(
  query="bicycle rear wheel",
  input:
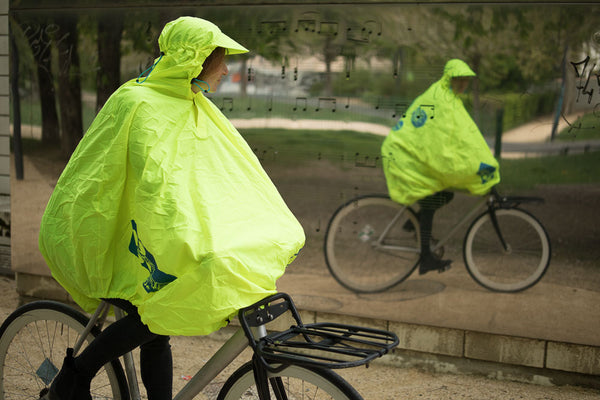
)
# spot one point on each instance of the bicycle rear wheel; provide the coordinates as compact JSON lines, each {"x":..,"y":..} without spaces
{"x":372,"y":244}
{"x":518,"y":267}
{"x":33,"y":343}
{"x":295,"y":382}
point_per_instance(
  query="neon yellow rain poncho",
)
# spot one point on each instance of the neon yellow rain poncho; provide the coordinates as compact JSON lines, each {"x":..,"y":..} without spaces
{"x":165,"y":205}
{"x":436,"y":145}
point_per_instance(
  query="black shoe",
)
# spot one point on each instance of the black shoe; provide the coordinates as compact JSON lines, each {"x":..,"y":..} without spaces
{"x":69,"y":384}
{"x":432,"y":263}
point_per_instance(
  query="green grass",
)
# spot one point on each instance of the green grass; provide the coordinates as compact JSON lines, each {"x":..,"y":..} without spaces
{"x":586,"y":127}
{"x":561,"y":169}
{"x":287,"y":148}
{"x":293,"y":147}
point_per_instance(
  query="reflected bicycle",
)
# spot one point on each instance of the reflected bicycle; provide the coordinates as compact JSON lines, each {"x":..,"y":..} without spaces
{"x":368,"y":248}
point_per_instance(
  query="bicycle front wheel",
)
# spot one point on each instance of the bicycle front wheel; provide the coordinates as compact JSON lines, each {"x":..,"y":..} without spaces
{"x":372,"y":244}
{"x":33,"y":344}
{"x":294,"y":382}
{"x":515,"y":266}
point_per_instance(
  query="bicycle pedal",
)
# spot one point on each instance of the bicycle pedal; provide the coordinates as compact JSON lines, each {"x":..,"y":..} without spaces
{"x":444,"y":268}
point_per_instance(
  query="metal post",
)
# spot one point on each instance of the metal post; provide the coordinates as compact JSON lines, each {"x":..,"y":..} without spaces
{"x":499,"y":128}
{"x":16,"y":103}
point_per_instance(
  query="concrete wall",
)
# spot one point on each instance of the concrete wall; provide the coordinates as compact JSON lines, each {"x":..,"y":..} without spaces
{"x":4,"y":140}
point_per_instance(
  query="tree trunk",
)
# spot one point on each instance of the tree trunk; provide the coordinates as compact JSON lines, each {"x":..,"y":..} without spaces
{"x":329,"y":54}
{"x":69,"y":84}
{"x":560,"y":105}
{"x":244,"y":76}
{"x":476,"y":59}
{"x":108,"y":78}
{"x":40,"y":44}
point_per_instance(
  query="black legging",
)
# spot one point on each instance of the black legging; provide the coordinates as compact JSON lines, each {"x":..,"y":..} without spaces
{"x":428,"y":206}
{"x":124,"y":335}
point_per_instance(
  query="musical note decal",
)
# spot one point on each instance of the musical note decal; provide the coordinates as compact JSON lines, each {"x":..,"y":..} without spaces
{"x":400,"y":110}
{"x":306,"y":25}
{"x":227,"y":100}
{"x":329,"y":28}
{"x":363,"y":35}
{"x":272,"y":27}
{"x":396,"y":64}
{"x":431,"y":109}
{"x":372,"y":25}
{"x":349,"y":63}
{"x":331,"y":100}
{"x":301,"y":100}
{"x":365,"y":161}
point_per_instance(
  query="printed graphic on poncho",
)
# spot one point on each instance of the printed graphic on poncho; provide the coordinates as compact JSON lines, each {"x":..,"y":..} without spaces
{"x":419,"y":117}
{"x":157,"y":278}
{"x":486,"y":172}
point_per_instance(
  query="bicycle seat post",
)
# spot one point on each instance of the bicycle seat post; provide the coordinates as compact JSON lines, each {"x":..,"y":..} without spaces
{"x":98,"y":315}
{"x":260,"y":331}
{"x":260,"y":372}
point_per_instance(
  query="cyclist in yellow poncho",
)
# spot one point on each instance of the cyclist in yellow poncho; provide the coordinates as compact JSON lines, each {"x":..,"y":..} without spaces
{"x":437,"y":146}
{"x":165,"y":211}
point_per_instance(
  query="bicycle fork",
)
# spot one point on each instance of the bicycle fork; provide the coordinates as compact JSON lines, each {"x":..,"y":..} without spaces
{"x":494,"y":219}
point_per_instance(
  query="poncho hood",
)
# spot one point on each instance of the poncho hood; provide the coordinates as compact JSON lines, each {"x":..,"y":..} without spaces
{"x":455,"y":68}
{"x":437,"y":146}
{"x":185,"y":43}
{"x":164,"y":204}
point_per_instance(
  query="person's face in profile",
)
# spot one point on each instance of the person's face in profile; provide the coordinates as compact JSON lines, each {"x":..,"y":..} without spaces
{"x":460,"y":83}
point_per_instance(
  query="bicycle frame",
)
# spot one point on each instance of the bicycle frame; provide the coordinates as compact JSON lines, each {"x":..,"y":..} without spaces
{"x":234,"y":346}
{"x":341,"y":346}
{"x":466,"y":218}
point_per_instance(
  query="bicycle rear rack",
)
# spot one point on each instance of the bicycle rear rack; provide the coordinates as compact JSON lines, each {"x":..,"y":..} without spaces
{"x":512,"y":201}
{"x":322,"y":345}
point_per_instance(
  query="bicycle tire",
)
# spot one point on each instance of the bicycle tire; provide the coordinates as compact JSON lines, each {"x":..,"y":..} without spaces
{"x":355,"y":239}
{"x":33,"y":343}
{"x":519,"y":267}
{"x":298,"y":383}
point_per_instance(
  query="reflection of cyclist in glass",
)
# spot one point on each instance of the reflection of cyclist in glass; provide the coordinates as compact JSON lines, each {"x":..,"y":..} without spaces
{"x":436,"y":146}
{"x":164,"y":211}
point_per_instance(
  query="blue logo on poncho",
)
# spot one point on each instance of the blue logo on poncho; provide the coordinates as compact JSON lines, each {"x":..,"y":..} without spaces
{"x":398,"y":126}
{"x":157,"y":278}
{"x":486,"y":172}
{"x":418,"y":117}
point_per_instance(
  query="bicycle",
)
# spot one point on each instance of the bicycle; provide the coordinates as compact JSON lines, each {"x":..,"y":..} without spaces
{"x":293,"y":364}
{"x":373,"y":243}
